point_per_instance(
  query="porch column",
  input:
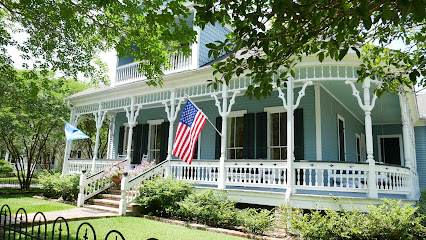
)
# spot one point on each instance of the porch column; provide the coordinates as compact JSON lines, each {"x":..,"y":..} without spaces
{"x":111,"y":136}
{"x":172,"y":113}
{"x":408,"y":140}
{"x":74,"y":120}
{"x":132,"y":115}
{"x":223,"y":112}
{"x":367,"y":107}
{"x":290,"y":107}
{"x":99,"y":120}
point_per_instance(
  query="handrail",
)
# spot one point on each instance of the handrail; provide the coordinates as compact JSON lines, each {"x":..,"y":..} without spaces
{"x":130,"y":188}
{"x":93,"y":185}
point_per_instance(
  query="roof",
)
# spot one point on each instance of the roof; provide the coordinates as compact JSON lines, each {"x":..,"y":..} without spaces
{"x":421,"y":104}
{"x":91,"y":90}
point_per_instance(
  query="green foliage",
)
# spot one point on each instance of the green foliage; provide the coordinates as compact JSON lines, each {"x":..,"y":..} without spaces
{"x":269,"y":34}
{"x":56,"y":186}
{"x":209,"y":207}
{"x":68,"y":35}
{"x":421,"y":204}
{"x":160,"y":196}
{"x":390,"y":220}
{"x":6,"y":170}
{"x":256,"y":221}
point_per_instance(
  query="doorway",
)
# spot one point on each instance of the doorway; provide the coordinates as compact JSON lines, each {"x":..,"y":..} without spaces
{"x":390,"y":149}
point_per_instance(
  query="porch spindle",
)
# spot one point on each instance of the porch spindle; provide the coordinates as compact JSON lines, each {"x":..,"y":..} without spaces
{"x":223,"y":112}
{"x":99,"y":119}
{"x":131,"y":115}
{"x":367,"y":107}
{"x":408,"y":144}
{"x":171,"y":116}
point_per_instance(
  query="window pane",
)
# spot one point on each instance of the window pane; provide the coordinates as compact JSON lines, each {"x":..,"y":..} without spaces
{"x":231,"y":132}
{"x":240,"y":154}
{"x":283,"y":153}
{"x":275,"y":126}
{"x":275,"y":153}
{"x":232,"y":154}
{"x":158,"y":137}
{"x":152,"y":138}
{"x":283,"y":129}
{"x":239,"y":132}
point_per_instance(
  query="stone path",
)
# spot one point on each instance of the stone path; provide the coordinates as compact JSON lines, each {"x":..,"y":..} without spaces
{"x":71,"y":215}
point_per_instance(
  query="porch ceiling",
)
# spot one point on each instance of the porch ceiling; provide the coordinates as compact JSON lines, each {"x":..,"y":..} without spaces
{"x":386,"y":111}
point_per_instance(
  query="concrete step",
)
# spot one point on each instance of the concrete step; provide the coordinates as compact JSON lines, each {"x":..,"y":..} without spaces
{"x":114,"y":191}
{"x":110,"y":196}
{"x":102,"y":208}
{"x":106,"y":202}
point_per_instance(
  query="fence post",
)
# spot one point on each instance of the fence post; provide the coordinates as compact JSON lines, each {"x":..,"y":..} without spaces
{"x":123,"y":201}
{"x":80,"y":200}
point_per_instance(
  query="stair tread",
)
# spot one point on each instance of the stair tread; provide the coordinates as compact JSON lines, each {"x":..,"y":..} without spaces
{"x":108,"y":196}
{"x":108,"y":209}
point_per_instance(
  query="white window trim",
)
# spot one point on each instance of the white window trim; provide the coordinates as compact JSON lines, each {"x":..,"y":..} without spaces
{"x":155,"y":121}
{"x":357,"y":136}
{"x":338,"y":137}
{"x":401,"y":154}
{"x":269,"y":111}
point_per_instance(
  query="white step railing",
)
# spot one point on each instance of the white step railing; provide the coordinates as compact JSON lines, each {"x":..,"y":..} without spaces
{"x":202,"y":171}
{"x":130,"y":72}
{"x":130,"y":188}
{"x":77,"y":166}
{"x":392,"y":179}
{"x":94,"y":184}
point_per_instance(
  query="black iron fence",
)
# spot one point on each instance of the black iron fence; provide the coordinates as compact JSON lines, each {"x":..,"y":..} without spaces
{"x":18,"y":227}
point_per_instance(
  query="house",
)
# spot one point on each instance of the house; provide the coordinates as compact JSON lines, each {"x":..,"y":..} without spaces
{"x":345,"y":142}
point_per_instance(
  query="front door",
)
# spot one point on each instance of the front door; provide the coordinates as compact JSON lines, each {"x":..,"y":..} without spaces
{"x":390,"y":150}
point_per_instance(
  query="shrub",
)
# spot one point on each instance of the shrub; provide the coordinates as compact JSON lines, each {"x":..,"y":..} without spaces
{"x":390,"y":220}
{"x":421,"y":204}
{"x":256,"y":221}
{"x":55,"y":186}
{"x":6,"y":170}
{"x":209,"y":207}
{"x":160,"y":196}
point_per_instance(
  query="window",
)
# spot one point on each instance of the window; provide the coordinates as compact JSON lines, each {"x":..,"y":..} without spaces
{"x":358,"y":147}
{"x":277,"y":133}
{"x":341,"y":138}
{"x":235,"y":149}
{"x":390,"y":149}
{"x":154,"y":139}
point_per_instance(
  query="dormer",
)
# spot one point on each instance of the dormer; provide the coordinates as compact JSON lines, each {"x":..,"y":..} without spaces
{"x":126,"y":71}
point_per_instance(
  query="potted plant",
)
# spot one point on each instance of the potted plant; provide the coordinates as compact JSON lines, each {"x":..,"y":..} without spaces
{"x":116,"y":172}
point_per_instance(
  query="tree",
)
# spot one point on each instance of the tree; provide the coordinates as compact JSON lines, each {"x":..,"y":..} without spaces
{"x":68,"y":35}
{"x":88,"y":126}
{"x":279,"y":33}
{"x":30,"y":110}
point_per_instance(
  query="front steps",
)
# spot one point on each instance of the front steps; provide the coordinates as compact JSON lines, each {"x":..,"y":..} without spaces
{"x":109,"y":202}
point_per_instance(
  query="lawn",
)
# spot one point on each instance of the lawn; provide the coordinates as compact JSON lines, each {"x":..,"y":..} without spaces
{"x":134,"y":228}
{"x":31,"y":205}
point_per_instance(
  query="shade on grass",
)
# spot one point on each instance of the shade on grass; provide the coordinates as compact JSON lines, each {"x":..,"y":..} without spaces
{"x":134,"y":228}
{"x":30,"y":204}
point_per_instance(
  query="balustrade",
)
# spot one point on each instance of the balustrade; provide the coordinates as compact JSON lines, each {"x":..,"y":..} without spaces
{"x":77,"y":166}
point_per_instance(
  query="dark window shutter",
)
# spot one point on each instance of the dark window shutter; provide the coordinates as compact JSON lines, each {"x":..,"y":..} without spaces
{"x":137,"y":156}
{"x":164,"y":141}
{"x":120,"y":140}
{"x":299,"y":150}
{"x":218,"y":139}
{"x":144,"y":140}
{"x":341,"y":141}
{"x":261,"y":135}
{"x":248,"y":146}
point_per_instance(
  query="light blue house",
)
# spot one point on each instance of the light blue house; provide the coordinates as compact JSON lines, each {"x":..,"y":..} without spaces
{"x":344,"y":141}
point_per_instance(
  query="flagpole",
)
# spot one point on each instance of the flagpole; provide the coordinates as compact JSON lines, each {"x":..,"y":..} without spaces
{"x":186,"y":95}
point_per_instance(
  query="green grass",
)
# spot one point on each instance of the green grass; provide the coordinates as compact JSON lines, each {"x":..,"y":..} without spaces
{"x":30,"y":204}
{"x":134,"y":228}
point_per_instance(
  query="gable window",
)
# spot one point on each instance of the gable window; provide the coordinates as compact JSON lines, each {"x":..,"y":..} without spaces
{"x":154,"y":144}
{"x":235,"y":135}
{"x":341,"y":138}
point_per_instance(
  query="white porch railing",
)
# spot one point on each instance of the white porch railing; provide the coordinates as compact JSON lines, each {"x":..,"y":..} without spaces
{"x":129,"y":72}
{"x":77,"y":166}
{"x":309,"y":175}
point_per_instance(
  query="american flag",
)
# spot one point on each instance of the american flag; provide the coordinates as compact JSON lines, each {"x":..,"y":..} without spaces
{"x":190,"y":124}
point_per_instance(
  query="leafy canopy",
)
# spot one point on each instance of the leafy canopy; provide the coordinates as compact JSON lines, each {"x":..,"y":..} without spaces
{"x":68,"y":35}
{"x":278,"y":33}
